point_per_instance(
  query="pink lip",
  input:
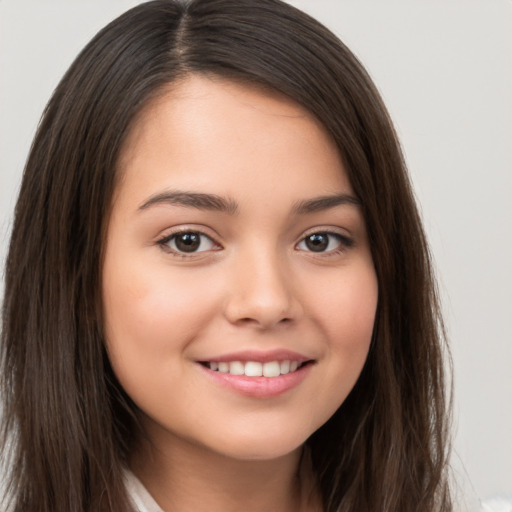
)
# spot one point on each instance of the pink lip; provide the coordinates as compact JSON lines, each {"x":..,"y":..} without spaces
{"x":259,"y":387}
{"x":262,"y":357}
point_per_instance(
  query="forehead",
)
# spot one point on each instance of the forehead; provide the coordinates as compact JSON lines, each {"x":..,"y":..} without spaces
{"x":208,"y":131}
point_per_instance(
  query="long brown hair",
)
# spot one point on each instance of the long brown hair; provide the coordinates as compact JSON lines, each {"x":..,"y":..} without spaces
{"x":67,"y":425}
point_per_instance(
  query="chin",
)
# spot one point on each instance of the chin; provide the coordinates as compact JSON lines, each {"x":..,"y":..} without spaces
{"x":260,"y":453}
{"x":264,"y":445}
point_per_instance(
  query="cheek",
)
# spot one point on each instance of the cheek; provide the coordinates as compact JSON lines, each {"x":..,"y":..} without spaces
{"x":151,"y":315}
{"x":347,"y":309}
{"x":346,"y":316}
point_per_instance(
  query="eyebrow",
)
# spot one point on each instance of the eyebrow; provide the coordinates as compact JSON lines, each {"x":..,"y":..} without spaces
{"x":192,"y":199}
{"x":324,"y":203}
{"x":213,"y":202}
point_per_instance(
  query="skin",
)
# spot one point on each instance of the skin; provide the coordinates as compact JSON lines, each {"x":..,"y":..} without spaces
{"x":254,"y":285}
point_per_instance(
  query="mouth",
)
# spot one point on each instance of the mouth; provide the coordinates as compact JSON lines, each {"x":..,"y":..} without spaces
{"x":270,"y":369}
{"x":258,"y":374}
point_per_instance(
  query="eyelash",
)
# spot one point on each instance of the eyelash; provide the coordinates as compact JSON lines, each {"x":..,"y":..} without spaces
{"x":167,"y":239}
{"x":344,"y":242}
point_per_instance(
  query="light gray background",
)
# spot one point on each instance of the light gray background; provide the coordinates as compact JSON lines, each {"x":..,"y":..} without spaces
{"x":444,"y":68}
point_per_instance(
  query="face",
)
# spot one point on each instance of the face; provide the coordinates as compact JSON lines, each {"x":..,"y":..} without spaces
{"x":239,"y":290}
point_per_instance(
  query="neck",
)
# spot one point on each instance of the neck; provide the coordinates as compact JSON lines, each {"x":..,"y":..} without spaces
{"x":185,"y":477}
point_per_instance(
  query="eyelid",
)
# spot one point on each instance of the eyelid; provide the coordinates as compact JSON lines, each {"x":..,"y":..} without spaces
{"x":164,"y":240}
{"x":346,"y":240}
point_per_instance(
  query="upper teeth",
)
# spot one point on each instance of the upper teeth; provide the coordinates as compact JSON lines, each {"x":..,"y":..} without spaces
{"x":255,"y":369}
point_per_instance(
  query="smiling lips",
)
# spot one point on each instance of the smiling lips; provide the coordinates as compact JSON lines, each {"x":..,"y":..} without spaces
{"x":259,"y":375}
{"x":255,"y":368}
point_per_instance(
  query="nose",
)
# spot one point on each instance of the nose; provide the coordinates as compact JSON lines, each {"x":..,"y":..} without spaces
{"x":261,"y":292}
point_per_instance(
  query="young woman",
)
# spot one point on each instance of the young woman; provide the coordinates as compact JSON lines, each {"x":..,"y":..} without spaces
{"x":218,"y":291}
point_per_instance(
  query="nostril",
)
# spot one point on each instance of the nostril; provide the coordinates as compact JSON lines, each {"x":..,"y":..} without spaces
{"x":261,"y":308}
{"x":263,"y":322}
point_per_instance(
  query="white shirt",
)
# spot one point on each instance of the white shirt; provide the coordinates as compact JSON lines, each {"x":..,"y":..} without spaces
{"x":140,"y":497}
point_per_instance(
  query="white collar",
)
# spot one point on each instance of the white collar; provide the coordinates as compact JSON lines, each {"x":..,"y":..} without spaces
{"x":140,"y":497}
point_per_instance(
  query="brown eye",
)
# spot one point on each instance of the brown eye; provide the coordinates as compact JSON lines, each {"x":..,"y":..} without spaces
{"x":317,"y":242}
{"x":324,"y":242}
{"x":188,"y":242}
